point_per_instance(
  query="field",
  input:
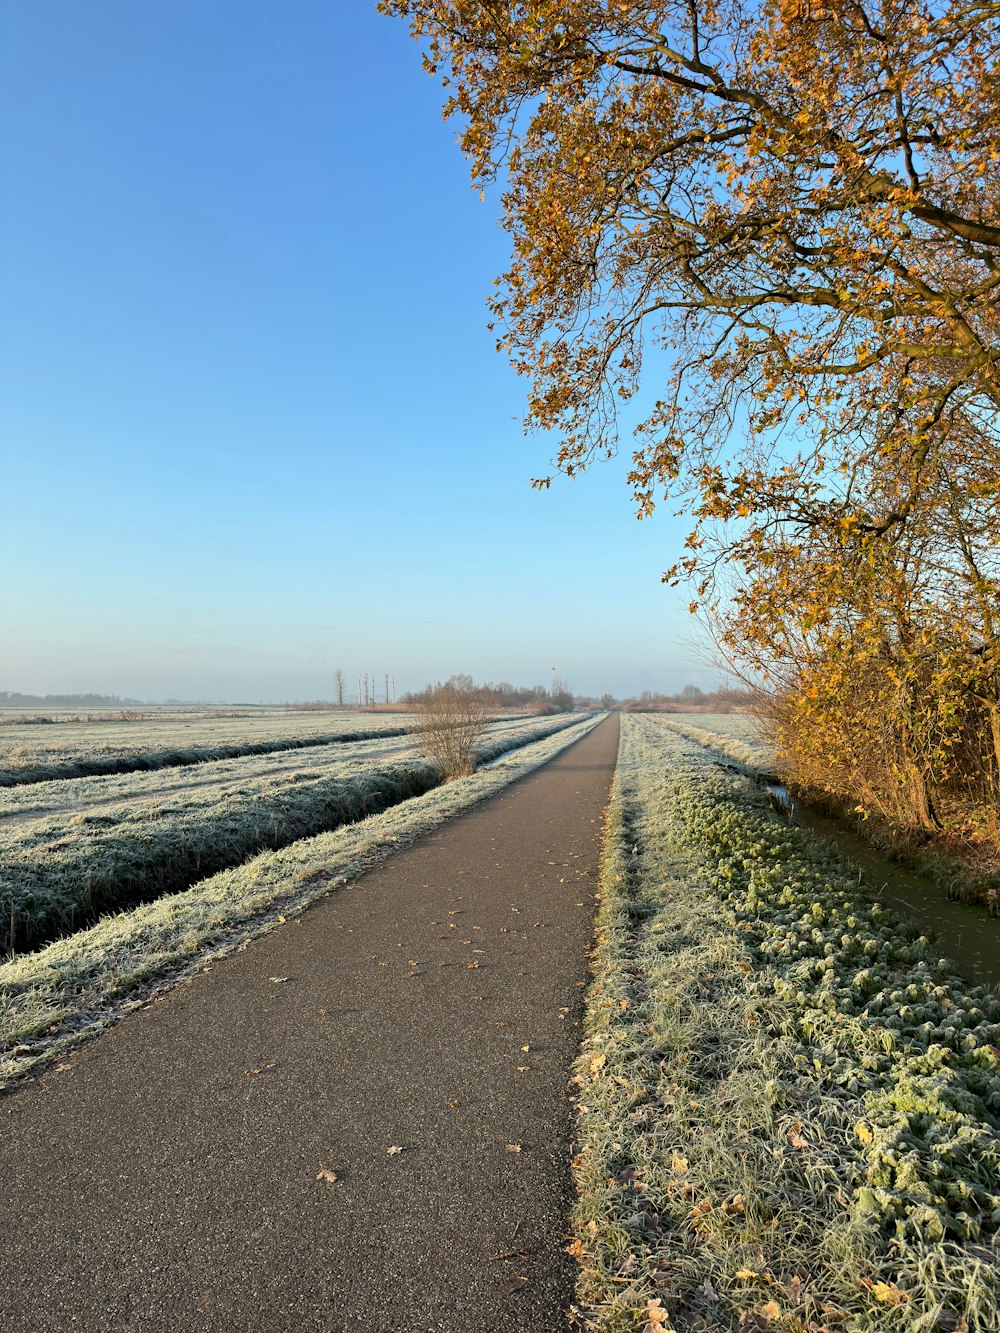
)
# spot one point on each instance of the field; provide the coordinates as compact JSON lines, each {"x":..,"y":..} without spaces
{"x":66,"y":745}
{"x":72,"y":849}
{"x":733,"y":734}
{"x":88,"y":977}
{"x":788,"y":1104}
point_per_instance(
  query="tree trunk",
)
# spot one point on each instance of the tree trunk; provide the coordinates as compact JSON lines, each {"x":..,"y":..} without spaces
{"x":923,"y":807}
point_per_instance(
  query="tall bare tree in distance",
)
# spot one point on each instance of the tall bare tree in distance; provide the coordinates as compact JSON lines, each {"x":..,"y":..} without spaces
{"x":338,"y":677}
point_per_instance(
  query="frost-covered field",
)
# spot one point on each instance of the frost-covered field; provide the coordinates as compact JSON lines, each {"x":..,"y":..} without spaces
{"x":73,"y":987}
{"x":788,"y":1106}
{"x":733,"y":734}
{"x":33,"y":751}
{"x":169,"y":785}
{"x":114,"y":841}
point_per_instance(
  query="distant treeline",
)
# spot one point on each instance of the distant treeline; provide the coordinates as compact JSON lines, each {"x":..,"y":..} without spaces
{"x":504,"y":696}
{"x":13,"y":699}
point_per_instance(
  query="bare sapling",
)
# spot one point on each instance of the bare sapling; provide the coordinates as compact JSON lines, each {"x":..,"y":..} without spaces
{"x":452,"y":724}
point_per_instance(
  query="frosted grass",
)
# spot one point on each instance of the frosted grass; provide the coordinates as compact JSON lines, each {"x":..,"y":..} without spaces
{"x":59,"y":871}
{"x":735,"y":735}
{"x":788,"y":1105}
{"x":34,"y":752}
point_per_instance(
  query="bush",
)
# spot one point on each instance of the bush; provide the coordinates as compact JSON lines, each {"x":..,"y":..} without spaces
{"x":452,"y":722}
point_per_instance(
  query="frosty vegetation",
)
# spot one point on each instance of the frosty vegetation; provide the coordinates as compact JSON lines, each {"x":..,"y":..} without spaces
{"x":788,"y":1105}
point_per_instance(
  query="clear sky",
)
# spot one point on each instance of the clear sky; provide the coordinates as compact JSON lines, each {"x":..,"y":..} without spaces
{"x":253,"y":424}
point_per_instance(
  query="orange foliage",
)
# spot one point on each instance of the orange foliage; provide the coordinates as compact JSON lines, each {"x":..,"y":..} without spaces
{"x":796,"y":205}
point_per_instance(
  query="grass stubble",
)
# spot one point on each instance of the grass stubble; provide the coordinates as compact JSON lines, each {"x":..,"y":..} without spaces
{"x":788,"y":1106}
{"x":71,"y":989}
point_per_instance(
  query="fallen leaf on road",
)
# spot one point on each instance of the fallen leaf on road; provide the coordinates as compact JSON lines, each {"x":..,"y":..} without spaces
{"x":525,"y":1048}
{"x":513,"y":1147}
{"x":391,"y":1152}
{"x":453,"y":1106}
{"x":278,"y":980}
{"x":250,"y":1073}
{"x":473,"y":964}
{"x":330,"y":1176}
{"x":523,"y":1069}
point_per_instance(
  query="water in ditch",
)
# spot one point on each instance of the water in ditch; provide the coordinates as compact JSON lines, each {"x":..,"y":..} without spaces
{"x":963,"y":932}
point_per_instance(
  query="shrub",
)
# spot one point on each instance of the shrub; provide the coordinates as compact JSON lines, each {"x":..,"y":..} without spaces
{"x":452,"y":722}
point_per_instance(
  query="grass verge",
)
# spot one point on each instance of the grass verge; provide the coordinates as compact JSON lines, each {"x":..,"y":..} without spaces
{"x":963,"y":862}
{"x":788,"y":1107}
{"x":62,"y":994}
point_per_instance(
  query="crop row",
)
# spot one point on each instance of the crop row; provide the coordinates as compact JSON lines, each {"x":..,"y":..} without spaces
{"x":788,"y":1105}
{"x":71,"y":988}
{"x":58,"y":874}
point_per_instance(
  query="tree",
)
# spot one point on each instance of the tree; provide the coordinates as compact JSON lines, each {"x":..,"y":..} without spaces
{"x":338,"y":676}
{"x":786,"y":215}
{"x":800,"y":201}
{"x":562,"y":695}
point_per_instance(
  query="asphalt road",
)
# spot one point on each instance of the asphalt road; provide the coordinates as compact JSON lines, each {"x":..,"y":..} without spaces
{"x":168,"y":1175}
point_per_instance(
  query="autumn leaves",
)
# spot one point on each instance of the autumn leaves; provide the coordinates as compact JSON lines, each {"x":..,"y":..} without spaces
{"x":776,"y":228}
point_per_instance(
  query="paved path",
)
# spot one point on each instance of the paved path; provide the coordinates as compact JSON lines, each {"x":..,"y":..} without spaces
{"x":166,"y":1177}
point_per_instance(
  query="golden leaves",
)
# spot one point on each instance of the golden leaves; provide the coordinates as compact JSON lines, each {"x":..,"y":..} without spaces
{"x":769,"y":215}
{"x":796,"y":1138}
{"x":886,"y":1292}
{"x":657,"y":1317}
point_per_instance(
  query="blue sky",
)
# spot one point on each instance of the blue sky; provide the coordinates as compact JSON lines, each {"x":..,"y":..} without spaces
{"x":253,"y":424}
